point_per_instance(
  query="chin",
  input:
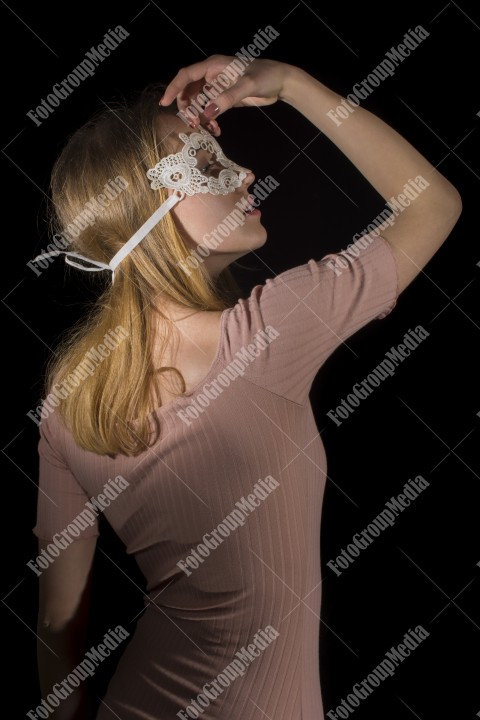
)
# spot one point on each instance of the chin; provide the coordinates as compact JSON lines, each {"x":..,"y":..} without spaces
{"x":263,"y":239}
{"x":252,"y":247}
{"x":259,"y":238}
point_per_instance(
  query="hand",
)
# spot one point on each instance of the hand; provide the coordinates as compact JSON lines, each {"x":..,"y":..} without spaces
{"x":260,"y":83}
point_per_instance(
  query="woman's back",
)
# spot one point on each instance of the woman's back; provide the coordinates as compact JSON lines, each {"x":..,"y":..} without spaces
{"x":223,"y":512}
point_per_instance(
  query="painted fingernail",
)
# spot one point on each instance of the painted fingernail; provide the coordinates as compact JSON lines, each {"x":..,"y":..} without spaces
{"x":210,"y":127}
{"x":211,"y":110}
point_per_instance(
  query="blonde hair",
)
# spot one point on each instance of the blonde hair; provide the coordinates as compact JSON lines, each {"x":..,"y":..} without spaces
{"x":112,"y":410}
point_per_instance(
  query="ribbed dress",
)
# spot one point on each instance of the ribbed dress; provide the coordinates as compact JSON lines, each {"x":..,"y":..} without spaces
{"x":223,"y":512}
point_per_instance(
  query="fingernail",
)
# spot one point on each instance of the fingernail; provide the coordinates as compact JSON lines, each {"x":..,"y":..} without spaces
{"x":211,"y":110}
{"x":161,"y":100}
{"x":210,"y":127}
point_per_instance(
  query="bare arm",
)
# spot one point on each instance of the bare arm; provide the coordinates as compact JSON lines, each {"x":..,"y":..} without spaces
{"x":381,"y":154}
{"x":62,"y":622}
{"x":387,"y":161}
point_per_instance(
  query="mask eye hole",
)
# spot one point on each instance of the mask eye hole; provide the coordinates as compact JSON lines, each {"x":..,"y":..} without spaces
{"x":211,"y":167}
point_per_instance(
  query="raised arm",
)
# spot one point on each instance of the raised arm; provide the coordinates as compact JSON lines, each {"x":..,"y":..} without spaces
{"x":62,"y":623}
{"x":388,"y":162}
{"x":381,"y":154}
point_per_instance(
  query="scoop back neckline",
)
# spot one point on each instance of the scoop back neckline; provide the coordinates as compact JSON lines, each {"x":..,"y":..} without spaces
{"x":218,"y":353}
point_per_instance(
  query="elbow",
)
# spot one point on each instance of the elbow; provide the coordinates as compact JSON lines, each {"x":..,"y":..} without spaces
{"x":456,"y":200}
{"x":443,"y":209}
{"x":55,"y":617}
{"x":455,"y":207}
{"x":459,"y":205}
{"x":54,"y":625}
{"x":451,"y":202}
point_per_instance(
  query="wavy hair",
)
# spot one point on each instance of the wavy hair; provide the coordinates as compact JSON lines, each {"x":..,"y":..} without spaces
{"x":112,"y":410}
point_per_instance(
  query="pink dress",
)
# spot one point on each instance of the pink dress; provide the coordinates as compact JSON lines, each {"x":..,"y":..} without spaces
{"x":223,"y":513}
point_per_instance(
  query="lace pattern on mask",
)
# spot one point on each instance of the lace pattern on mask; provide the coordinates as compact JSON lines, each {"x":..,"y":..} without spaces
{"x":179,"y":171}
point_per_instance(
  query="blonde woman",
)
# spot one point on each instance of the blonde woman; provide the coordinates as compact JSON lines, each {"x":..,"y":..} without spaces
{"x":195,"y":421}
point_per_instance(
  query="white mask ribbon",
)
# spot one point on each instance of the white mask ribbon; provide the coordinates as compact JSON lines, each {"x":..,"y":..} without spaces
{"x":181,"y":172}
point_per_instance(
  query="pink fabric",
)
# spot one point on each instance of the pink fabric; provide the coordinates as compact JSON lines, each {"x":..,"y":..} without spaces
{"x":266,"y":572}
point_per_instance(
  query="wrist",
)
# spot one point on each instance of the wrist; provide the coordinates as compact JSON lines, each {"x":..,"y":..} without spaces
{"x":293,"y":80}
{"x":305,"y":92}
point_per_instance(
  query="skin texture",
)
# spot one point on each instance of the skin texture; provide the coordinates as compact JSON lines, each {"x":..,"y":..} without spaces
{"x":200,"y":214}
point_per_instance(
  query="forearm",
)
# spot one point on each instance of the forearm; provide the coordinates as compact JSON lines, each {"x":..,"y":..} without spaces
{"x":383,"y":156}
{"x":64,"y":603}
{"x":58,"y":653}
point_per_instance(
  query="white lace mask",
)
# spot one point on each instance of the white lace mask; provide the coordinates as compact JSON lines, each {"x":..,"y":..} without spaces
{"x":181,"y":172}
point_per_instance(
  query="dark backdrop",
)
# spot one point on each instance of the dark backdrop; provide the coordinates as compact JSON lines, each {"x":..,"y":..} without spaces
{"x":422,"y":421}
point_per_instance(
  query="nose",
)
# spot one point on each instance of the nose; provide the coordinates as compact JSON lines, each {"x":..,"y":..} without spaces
{"x":250,"y":177}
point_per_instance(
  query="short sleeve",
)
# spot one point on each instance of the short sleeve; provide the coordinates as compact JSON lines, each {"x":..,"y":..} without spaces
{"x":61,"y":499}
{"x":308,"y":311}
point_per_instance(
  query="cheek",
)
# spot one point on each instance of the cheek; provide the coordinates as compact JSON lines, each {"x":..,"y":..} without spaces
{"x":203,"y":213}
{"x":218,"y":207}
{"x":191,"y":210}
{"x":212,"y":211}
{"x":200,"y":214}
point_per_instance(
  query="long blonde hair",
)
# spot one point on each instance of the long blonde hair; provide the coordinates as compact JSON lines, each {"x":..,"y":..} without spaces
{"x":111,"y":409}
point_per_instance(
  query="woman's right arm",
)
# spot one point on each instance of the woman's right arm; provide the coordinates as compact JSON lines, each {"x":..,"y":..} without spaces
{"x":64,"y":598}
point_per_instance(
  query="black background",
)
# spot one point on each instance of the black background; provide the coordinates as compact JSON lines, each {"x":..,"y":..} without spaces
{"x":424,"y":420}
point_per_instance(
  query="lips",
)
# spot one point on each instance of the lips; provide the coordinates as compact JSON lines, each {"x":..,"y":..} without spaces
{"x":251,"y":207}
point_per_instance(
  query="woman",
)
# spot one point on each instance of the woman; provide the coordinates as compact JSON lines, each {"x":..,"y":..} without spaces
{"x":199,"y":412}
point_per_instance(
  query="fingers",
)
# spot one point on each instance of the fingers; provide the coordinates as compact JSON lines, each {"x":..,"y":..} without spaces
{"x":236,"y":95}
{"x":190,"y":74}
{"x":214,"y":128}
{"x":203,"y":91}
